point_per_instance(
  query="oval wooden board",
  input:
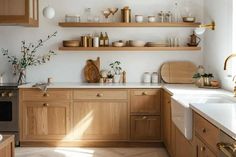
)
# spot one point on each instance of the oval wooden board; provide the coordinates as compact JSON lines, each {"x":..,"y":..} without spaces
{"x":178,"y":72}
{"x":92,"y":71}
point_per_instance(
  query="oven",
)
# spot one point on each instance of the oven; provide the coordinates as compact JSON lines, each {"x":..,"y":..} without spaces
{"x":9,"y":112}
{"x":227,"y":146}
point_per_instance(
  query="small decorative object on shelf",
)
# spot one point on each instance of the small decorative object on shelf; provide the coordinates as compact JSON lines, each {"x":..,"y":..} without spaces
{"x":126,"y":15}
{"x":117,"y":71}
{"x":72,"y":18}
{"x":194,"y":40}
{"x":28,"y":57}
{"x":1,"y":77}
{"x":139,"y":18}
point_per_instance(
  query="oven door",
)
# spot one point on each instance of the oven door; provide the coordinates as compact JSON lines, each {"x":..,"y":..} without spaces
{"x":9,"y":115}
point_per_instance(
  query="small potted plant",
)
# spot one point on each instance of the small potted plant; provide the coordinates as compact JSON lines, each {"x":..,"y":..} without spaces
{"x":109,"y":78}
{"x":117,"y":70}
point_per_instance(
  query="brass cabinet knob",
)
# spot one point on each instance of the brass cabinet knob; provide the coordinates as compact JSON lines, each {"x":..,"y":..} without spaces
{"x":203,"y":149}
{"x":10,"y":94}
{"x":46,"y":95}
{"x":45,"y":104}
{"x":144,"y":117}
{"x":204,"y":130}
{"x":4,"y":94}
{"x":99,"y":95}
{"x":145,"y":93}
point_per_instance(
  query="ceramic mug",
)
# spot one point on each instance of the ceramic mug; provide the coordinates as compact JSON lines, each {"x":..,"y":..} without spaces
{"x":151,"y":19}
{"x":139,"y":18}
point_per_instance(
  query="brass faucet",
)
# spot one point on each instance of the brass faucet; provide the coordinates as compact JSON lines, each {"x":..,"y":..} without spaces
{"x":225,"y":67}
{"x":227,"y":59}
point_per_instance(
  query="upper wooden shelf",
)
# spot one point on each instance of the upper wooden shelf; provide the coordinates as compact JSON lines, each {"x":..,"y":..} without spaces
{"x":130,"y":49}
{"x":156,"y":24}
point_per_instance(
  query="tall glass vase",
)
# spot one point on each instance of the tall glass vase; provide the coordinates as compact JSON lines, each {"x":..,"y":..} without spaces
{"x":22,"y":76}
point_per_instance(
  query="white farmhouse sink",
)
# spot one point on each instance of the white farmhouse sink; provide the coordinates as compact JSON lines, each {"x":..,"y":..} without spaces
{"x":182,"y":113}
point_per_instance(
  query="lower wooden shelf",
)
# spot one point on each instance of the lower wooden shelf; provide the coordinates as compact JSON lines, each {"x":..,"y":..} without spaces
{"x":129,"y":48}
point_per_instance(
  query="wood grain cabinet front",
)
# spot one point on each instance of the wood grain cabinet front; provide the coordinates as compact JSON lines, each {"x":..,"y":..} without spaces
{"x":100,"y":120}
{"x":145,"y":128}
{"x":201,"y":150}
{"x":19,"y":12}
{"x":146,"y":101}
{"x":45,"y":120}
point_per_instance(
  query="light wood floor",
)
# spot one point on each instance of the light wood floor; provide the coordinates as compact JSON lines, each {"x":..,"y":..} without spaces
{"x":90,"y":152}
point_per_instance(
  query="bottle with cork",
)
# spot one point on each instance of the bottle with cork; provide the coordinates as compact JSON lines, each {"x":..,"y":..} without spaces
{"x":106,"y":40}
{"x":101,"y":40}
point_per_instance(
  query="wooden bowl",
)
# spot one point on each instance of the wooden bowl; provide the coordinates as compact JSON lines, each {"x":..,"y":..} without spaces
{"x":71,"y":43}
{"x":134,"y":43}
{"x":189,"y":19}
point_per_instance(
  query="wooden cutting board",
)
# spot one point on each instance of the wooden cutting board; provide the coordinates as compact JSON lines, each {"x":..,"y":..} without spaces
{"x":92,"y":71}
{"x":178,"y":72}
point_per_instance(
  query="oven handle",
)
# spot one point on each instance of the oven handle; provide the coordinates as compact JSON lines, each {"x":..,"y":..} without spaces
{"x":227,"y":149}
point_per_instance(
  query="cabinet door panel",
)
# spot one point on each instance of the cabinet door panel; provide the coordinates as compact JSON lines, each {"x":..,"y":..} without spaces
{"x":12,"y":7}
{"x":145,"y":127}
{"x":201,"y":149}
{"x":103,"y":120}
{"x":45,"y":120}
{"x":167,"y":120}
{"x":145,"y":101}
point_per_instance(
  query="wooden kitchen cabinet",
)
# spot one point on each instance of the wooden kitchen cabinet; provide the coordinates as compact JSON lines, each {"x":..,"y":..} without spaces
{"x":7,"y":146}
{"x":146,"y":101}
{"x":45,"y":120}
{"x":145,"y":128}
{"x":201,"y":150}
{"x":100,"y":120}
{"x":168,"y":125}
{"x":19,"y":12}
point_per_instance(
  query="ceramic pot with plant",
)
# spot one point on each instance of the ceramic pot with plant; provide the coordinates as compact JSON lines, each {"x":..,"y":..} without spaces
{"x":28,"y":57}
{"x":109,"y":78}
{"x":198,"y":80}
{"x":207,"y":79}
{"x":117,"y":70}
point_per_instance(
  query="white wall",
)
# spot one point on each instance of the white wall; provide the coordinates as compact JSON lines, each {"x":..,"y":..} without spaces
{"x":68,"y":66}
{"x":218,"y":43}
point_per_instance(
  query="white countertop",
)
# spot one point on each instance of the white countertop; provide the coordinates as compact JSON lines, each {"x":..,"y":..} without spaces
{"x":222,"y":115}
{"x":97,"y":85}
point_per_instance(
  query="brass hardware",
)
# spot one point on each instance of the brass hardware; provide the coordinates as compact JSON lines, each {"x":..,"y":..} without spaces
{"x":225,"y":68}
{"x":168,"y":102}
{"x":45,"y":94}
{"x":211,"y":26}
{"x":10,"y":94}
{"x":145,"y":93}
{"x":227,"y":149}
{"x":45,"y":104}
{"x":3,"y":94}
{"x":99,"y":95}
{"x":204,"y":130}
{"x":144,"y":117}
{"x":227,"y":59}
{"x":203,"y":149}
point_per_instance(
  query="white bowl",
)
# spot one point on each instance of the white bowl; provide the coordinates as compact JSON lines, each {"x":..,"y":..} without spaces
{"x":134,"y":43}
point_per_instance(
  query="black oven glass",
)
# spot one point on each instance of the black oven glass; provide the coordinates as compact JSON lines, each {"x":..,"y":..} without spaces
{"x":5,"y":111}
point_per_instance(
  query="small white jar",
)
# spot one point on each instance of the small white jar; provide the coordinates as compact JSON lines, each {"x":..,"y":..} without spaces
{"x":155,"y":77}
{"x":139,"y":18}
{"x":151,"y":19}
{"x":147,"y":77}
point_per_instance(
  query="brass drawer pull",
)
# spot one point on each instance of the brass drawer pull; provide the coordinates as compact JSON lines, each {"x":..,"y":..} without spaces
{"x":227,"y":149}
{"x":46,"y":95}
{"x":145,"y":93}
{"x":204,"y":130}
{"x":99,"y":95}
{"x":45,"y":104}
{"x":144,"y":117}
{"x":203,"y":149}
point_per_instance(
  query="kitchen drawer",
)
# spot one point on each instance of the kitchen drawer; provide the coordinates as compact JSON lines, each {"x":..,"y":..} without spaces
{"x":145,"y":128}
{"x":208,"y":132}
{"x":202,"y":150}
{"x":96,"y":94}
{"x":146,"y":101}
{"x":51,"y":95}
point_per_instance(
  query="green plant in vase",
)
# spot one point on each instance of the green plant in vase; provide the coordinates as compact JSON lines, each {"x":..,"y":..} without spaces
{"x":117,"y":70}
{"x":28,"y":57}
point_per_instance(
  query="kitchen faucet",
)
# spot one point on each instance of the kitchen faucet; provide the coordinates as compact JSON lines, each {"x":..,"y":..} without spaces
{"x":225,"y":67}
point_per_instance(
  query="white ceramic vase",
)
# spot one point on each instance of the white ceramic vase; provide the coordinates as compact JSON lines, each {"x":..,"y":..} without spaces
{"x":116,"y":78}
